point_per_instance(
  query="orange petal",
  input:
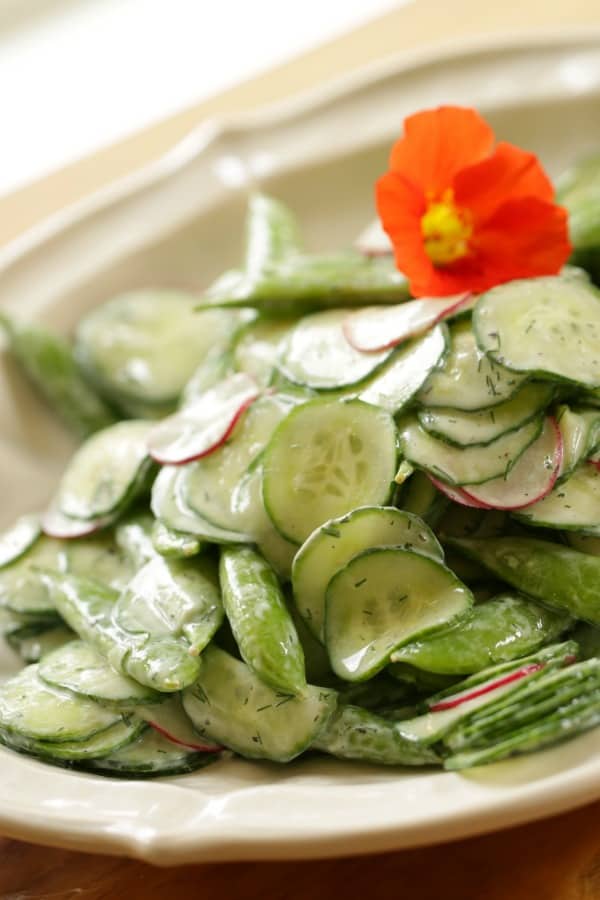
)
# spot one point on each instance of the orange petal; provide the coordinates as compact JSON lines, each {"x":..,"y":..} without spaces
{"x":438,"y":143}
{"x":509,"y":173}
{"x":525,"y":237}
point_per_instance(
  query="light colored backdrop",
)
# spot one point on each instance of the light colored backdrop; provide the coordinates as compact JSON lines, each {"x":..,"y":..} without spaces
{"x":408,"y":25}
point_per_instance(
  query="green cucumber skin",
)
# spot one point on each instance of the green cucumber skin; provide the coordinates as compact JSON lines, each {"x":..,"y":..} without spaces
{"x":358,"y":734}
{"x":48,"y":362}
{"x":557,"y":576}
{"x":499,"y":630}
{"x":261,"y":624}
{"x":69,"y":754}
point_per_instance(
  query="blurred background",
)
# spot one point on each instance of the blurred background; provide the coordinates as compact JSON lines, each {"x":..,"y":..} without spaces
{"x":90,"y":89}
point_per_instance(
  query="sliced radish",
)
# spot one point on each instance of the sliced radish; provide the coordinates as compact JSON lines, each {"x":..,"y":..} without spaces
{"x":377,"y":328}
{"x":531,"y":478}
{"x":373,"y":241}
{"x":595,"y":460}
{"x":485,"y":688}
{"x":170,"y":720}
{"x":198,"y":429}
{"x":56,"y":525}
{"x":457,"y":494}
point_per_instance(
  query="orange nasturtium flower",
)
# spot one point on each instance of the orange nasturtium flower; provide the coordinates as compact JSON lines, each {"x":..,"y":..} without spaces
{"x":464,"y":213}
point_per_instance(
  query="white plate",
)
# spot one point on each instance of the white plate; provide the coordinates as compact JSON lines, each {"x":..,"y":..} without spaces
{"x":179,"y":222}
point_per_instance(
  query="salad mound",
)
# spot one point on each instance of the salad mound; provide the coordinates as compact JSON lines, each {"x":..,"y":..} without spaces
{"x":312,"y":512}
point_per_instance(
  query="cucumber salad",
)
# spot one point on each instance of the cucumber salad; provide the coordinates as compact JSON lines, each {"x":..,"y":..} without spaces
{"x":309,"y":514}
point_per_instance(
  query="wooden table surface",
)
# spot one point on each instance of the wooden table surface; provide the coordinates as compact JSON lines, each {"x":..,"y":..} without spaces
{"x":558,"y":859}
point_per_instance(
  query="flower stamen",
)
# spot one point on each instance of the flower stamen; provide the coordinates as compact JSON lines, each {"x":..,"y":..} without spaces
{"x":446,"y":230}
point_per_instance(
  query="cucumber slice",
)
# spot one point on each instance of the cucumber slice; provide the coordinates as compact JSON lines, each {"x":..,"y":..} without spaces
{"x":573,"y":505}
{"x":396,"y":383}
{"x":33,"y":641}
{"x":377,"y":328}
{"x":465,"y":429}
{"x":557,"y":576}
{"x":468,"y":379}
{"x":546,"y":327}
{"x":499,"y":630}
{"x":257,"y":348}
{"x":580,"y":430}
{"x":355,"y":733}
{"x":467,"y":465}
{"x":247,"y":501}
{"x":326,"y":458}
{"x":316,"y":354}
{"x":79,"y":668}
{"x":531,"y":478}
{"x":170,"y":508}
{"x":230,"y":705}
{"x":22,"y":589}
{"x":150,"y":756}
{"x":106,"y":472}
{"x":145,"y":345}
{"x":259,"y":619}
{"x":173,"y":598}
{"x":170,"y":720}
{"x":176,"y":544}
{"x":209,"y":484}
{"x":17,"y":539}
{"x":35,"y":710}
{"x":384,"y":598}
{"x":331,"y":546}
{"x":200,"y":428}
{"x":60,"y":753}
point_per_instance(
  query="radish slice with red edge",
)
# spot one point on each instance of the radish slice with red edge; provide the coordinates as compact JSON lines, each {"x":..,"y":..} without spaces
{"x":595,"y":460}
{"x":373,"y":241}
{"x":485,"y":688}
{"x":456,"y":494}
{"x":376,"y":328}
{"x":198,"y":429}
{"x":170,"y":720}
{"x":531,"y":478}
{"x":56,"y":525}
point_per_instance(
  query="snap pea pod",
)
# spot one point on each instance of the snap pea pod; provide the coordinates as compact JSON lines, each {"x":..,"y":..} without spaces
{"x":17,"y":539}
{"x":499,"y":630}
{"x":300,"y":283}
{"x":356,"y":733}
{"x":579,"y":190}
{"x":532,"y":701}
{"x":133,"y":536}
{"x":229,"y":704}
{"x":588,"y":638}
{"x":262,"y":626}
{"x":159,"y":662}
{"x":558,"y":576}
{"x":176,"y":544}
{"x":572,"y":719}
{"x":271,"y":233}
{"x":48,"y":361}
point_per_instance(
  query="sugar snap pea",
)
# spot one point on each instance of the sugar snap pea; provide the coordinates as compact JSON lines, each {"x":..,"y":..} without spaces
{"x":169,"y":542}
{"x":271,"y":233}
{"x":260,"y":621}
{"x":562,"y":578}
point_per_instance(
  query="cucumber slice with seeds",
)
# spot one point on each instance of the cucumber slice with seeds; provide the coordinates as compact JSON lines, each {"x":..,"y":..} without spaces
{"x":35,"y":710}
{"x":333,"y":545}
{"x":316,"y":354}
{"x":546,"y":327}
{"x":383,"y":598}
{"x":82,"y":670}
{"x":106,"y":471}
{"x":466,"y":429}
{"x":466,"y":465}
{"x":230,"y":705}
{"x":468,"y":379}
{"x":325,"y":459}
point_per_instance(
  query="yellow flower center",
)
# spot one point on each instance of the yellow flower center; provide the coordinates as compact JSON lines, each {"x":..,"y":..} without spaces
{"x":446,"y":230}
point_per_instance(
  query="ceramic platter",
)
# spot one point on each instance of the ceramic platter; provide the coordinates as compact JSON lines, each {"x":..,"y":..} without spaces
{"x":179,"y":223}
